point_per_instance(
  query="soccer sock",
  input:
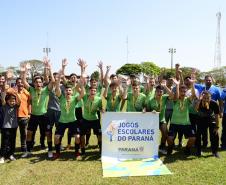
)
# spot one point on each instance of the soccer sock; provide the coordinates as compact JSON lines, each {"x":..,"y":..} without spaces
{"x":83,"y":151}
{"x":87,"y":138}
{"x":29,"y":145}
{"x":77,"y":146}
{"x":50,"y":145}
{"x":57,"y":147}
{"x":69,"y":139}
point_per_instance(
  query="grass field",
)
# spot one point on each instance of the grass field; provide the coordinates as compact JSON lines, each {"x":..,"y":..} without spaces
{"x":66,"y":170}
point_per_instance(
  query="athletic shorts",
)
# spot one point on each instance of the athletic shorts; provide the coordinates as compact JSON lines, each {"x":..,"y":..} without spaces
{"x":53,"y":118}
{"x":35,"y":121}
{"x":86,"y":125}
{"x":187,"y":130}
{"x":78,"y":113}
{"x":73,"y":128}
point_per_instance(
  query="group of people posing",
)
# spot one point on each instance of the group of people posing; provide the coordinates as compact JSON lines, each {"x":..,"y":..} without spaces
{"x":76,"y":103}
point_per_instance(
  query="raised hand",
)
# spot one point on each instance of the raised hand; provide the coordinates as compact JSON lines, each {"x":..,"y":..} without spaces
{"x":9,"y":74}
{"x":27,"y":66}
{"x":100,"y":65}
{"x":64,"y":63}
{"x":23,"y":68}
{"x":46,"y":62}
{"x":108,"y":68}
{"x":82,"y":63}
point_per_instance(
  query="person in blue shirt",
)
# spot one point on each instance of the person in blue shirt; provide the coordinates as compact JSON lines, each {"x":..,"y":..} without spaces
{"x":223,"y":132}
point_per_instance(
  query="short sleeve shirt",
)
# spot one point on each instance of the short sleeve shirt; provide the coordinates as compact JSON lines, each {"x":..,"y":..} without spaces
{"x":180,"y":114}
{"x":68,"y":109}
{"x":113,"y":104}
{"x":136,"y":104}
{"x":153,"y":104}
{"x":39,"y":100}
{"x":91,"y":107}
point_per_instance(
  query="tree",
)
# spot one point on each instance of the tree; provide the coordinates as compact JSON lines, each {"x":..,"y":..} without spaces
{"x":166,"y":73}
{"x":149,"y":68}
{"x":36,"y":66}
{"x":218,"y":74}
{"x":130,"y":69}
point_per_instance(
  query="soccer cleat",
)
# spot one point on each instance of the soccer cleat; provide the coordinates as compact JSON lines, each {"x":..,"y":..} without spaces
{"x":198,"y":154}
{"x":83,"y":151}
{"x":50,"y":154}
{"x":56,"y":156}
{"x":12,"y":158}
{"x":187,"y":151}
{"x":163,"y":151}
{"x":169,"y":150}
{"x":43,"y":147}
{"x":2,"y":160}
{"x":78,"y":156}
{"x":26,"y":155}
{"x":216,"y":154}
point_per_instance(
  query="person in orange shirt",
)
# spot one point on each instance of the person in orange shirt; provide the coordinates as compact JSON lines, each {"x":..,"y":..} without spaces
{"x":23,"y":112}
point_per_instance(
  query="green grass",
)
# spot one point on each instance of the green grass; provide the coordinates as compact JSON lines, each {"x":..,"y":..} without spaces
{"x":66,"y":170}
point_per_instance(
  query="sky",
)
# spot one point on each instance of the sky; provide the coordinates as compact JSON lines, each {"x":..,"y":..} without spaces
{"x":97,"y":30}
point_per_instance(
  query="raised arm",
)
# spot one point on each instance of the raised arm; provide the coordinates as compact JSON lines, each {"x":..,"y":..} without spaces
{"x":179,"y":75}
{"x":105,"y":94}
{"x":82,"y":91}
{"x":23,"y":74}
{"x":52,"y":79}
{"x":46,"y":70}
{"x":100,"y":66}
{"x":64,"y":64}
{"x":106,"y":76}
{"x":169,"y":91}
{"x":177,"y":89}
{"x":57,"y":83}
{"x":193,"y":94}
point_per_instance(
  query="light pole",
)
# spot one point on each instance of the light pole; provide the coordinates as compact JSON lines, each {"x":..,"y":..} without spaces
{"x":172,"y":51}
{"x":47,"y":51}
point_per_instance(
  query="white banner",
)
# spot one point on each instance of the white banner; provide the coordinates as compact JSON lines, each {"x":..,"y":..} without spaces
{"x":128,"y":136}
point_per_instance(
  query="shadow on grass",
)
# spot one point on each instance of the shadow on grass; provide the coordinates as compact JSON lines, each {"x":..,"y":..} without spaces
{"x":69,"y":155}
{"x":178,"y":155}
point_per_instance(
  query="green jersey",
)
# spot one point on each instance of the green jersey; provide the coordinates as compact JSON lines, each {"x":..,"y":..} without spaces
{"x":68,"y":109}
{"x":113,"y":104}
{"x":135,"y":104}
{"x":91,"y":107}
{"x":150,"y":94}
{"x":180,"y":114}
{"x":154,"y":105}
{"x":39,"y":100}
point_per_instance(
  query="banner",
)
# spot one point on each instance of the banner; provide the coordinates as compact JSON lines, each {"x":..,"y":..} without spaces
{"x":127,"y":136}
{"x":130,"y":145}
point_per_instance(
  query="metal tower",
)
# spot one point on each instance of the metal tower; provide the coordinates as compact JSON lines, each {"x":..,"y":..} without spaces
{"x":217,"y":54}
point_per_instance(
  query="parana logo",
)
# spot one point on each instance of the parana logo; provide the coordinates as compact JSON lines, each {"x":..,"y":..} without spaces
{"x":136,"y":149}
